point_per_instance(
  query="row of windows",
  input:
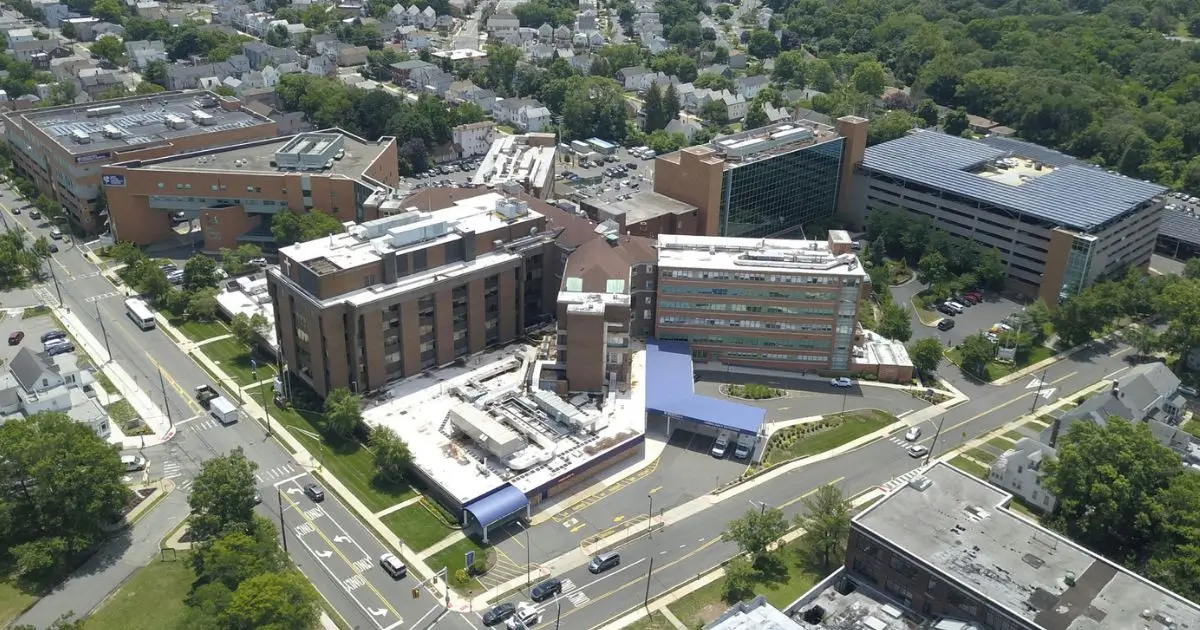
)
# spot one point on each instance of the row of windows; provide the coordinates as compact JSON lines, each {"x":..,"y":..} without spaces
{"x":778,"y":356}
{"x":752,"y":293}
{"x":744,"y":308}
{"x":695,"y":274}
{"x":676,"y":320}
{"x":808,"y":344}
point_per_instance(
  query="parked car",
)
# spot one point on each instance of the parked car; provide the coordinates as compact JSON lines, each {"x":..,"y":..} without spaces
{"x":913,"y":434}
{"x":257,"y":262}
{"x":61,"y":348}
{"x":946,"y":310}
{"x":314,"y":492}
{"x":954,"y":306}
{"x":841,"y":381}
{"x":15,"y":338}
{"x":16,"y":211}
{"x":1187,"y":390}
{"x":53,"y":334}
{"x":53,"y":248}
{"x":721,"y":445}
{"x":547,"y":589}
{"x":499,"y":613}
{"x":34,"y":214}
{"x":205,"y":394}
{"x":945,"y":324}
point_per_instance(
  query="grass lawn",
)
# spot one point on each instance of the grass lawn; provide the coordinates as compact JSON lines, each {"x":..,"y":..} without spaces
{"x":969,"y":466}
{"x":34,"y":311}
{"x":234,"y":359}
{"x":347,"y":460}
{"x":1192,"y":426}
{"x":151,"y":599}
{"x":126,"y":417}
{"x":653,"y":622}
{"x":199,"y":331}
{"x":981,"y":455}
{"x":417,"y":526}
{"x":104,"y":382}
{"x":996,"y":370}
{"x":1015,"y":435}
{"x":13,"y":601}
{"x":1001,"y":443}
{"x":454,"y":558}
{"x":1018,"y":505}
{"x":790,"y":443}
{"x":704,"y":605}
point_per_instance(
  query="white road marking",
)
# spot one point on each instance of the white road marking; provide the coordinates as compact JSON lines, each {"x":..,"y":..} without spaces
{"x":1112,"y":374}
{"x":289,"y":479}
{"x":905,"y":413}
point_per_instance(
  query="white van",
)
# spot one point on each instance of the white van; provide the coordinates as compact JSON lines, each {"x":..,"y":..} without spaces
{"x":745,"y":446}
{"x":133,"y":463}
{"x":721,"y":445}
{"x":223,"y":410}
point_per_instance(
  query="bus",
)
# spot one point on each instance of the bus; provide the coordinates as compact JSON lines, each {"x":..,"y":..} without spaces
{"x":140,"y":313}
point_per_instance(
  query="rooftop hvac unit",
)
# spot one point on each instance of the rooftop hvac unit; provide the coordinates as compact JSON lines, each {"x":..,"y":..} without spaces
{"x":175,"y":122}
{"x":80,"y":136}
{"x":203,"y":118}
{"x":105,"y":110}
{"x":112,"y":132}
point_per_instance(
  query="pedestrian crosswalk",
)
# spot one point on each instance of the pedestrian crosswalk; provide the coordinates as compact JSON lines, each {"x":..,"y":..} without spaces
{"x":203,"y":423}
{"x":172,"y":469}
{"x":899,"y":482}
{"x":575,"y":596}
{"x":184,"y":485}
{"x":102,"y":296}
{"x":278,"y":472}
{"x":899,"y":440}
{"x":45,"y":296}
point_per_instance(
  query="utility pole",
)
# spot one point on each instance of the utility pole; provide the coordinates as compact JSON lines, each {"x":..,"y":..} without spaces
{"x":650,"y":517}
{"x":263,"y":392}
{"x":528,"y":561}
{"x":166,"y":404}
{"x":558,"y":615}
{"x":103,"y":330}
{"x":646,"y":601}
{"x":1041,"y":381}
{"x":57,"y":288}
{"x":935,"y":439}
{"x":282,"y":529}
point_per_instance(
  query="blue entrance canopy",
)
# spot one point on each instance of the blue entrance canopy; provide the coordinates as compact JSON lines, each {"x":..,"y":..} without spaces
{"x":498,"y":505}
{"x":670,"y":389}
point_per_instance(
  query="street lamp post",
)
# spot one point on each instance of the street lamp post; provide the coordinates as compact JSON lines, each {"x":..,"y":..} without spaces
{"x":759,"y":504}
{"x":650,"y":517}
{"x":103,"y":330}
{"x":282,"y":529}
{"x":528,"y":561}
{"x":1036,"y":396}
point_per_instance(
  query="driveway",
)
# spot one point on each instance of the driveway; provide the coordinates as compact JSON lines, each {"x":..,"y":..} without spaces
{"x":811,"y":397}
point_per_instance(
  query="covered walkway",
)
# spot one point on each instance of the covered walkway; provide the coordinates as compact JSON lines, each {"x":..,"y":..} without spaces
{"x":670,"y":390}
{"x":497,"y":508}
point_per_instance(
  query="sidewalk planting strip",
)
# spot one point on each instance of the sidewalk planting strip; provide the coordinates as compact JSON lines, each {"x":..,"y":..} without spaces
{"x":853,"y":426}
{"x":969,"y":466}
{"x":983,"y":457}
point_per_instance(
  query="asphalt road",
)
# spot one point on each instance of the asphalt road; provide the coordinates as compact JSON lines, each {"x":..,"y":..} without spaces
{"x":344,"y":579}
{"x":689,"y":548}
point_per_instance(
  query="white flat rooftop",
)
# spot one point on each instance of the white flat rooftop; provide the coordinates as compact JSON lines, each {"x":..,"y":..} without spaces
{"x":250,"y":298}
{"x":418,"y":410}
{"x":510,"y":159}
{"x":762,"y":255}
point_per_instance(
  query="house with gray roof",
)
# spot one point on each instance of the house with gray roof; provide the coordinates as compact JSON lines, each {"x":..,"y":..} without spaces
{"x":35,"y":383}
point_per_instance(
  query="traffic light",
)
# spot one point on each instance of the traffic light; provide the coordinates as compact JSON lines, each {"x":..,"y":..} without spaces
{"x":416,"y":592}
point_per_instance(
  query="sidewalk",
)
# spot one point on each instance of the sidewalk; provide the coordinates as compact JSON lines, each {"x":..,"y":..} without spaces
{"x":660,"y":603}
{"x":122,"y":381}
{"x":307,"y":461}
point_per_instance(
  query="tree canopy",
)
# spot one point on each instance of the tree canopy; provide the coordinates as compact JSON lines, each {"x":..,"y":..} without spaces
{"x":222,"y":497}
{"x":296,"y":227}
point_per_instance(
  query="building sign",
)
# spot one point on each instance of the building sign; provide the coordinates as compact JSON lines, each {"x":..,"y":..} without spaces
{"x":95,"y":157}
{"x":113,"y":180}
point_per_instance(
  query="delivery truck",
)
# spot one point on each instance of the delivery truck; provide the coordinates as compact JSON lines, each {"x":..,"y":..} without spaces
{"x":223,"y":410}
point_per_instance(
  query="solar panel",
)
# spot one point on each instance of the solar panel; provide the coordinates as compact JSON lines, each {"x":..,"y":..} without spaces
{"x":1073,"y":195}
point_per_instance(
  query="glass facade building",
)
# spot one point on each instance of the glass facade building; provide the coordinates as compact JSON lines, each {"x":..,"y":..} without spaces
{"x":775,"y":196}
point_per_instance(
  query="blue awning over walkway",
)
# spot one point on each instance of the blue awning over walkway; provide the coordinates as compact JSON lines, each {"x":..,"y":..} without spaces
{"x":670,"y":389}
{"x":498,"y":505}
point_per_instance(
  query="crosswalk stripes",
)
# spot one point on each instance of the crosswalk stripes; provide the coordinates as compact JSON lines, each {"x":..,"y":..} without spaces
{"x":185,"y":485}
{"x":202,"y":425}
{"x":45,"y":296}
{"x":577,"y":597}
{"x":102,"y":296}
{"x":901,"y":480}
{"x":277,"y":472}
{"x":172,"y":469}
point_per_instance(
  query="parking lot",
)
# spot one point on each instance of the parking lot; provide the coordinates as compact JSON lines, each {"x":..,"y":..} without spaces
{"x":973,"y":320}
{"x":33,"y":328}
{"x":453,"y":175}
{"x":607,"y":188}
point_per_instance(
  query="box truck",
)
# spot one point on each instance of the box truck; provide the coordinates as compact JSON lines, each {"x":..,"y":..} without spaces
{"x":223,"y":410}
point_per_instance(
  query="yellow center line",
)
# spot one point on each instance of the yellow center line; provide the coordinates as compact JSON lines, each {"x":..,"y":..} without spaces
{"x":183,"y":393}
{"x":341,"y":555}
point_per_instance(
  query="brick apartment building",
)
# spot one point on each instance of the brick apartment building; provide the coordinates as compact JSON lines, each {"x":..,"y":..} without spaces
{"x":407,"y":293}
{"x":63,"y":149}
{"x":236,"y":189}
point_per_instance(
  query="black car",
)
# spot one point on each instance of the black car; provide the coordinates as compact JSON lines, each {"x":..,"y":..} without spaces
{"x":945,"y":324}
{"x":499,"y":613}
{"x":546,"y":590}
{"x":945,"y":310}
{"x":52,"y":335}
{"x":314,"y":492}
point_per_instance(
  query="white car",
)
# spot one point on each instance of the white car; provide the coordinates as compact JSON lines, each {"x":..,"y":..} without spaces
{"x":841,"y":381}
{"x":257,"y":262}
{"x":913,"y":434}
{"x":526,"y":617}
{"x":917,"y":450}
{"x":393,"y":566}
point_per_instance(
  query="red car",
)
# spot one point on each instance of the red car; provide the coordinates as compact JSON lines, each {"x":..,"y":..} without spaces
{"x":15,"y":338}
{"x":975,"y":295}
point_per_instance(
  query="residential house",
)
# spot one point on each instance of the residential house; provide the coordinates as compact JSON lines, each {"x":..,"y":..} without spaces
{"x":655,"y":44}
{"x":803,"y":113}
{"x":586,"y":21}
{"x":738,"y":60}
{"x":412,"y":37}
{"x":562,"y":36}
{"x":526,"y":114}
{"x":268,"y":77}
{"x":688,"y":129}
{"x":1019,"y":470}
{"x":261,"y":55}
{"x":534,"y":119}
{"x":97,"y":81}
{"x":321,"y":66}
{"x":631,"y":78}
{"x":444,"y":24}
{"x":432,"y":79}
{"x":53,"y":12}
{"x":541,"y":52}
{"x":718,"y":69}
{"x":565,"y":54}
{"x":545,"y":33}
{"x":502,"y":23}
{"x":108,"y":29}
{"x":749,"y":87}
{"x":580,"y":39}
{"x":428,"y":18}
{"x":582,"y":62}
{"x":595,"y":40}
{"x":27,"y":50}
{"x":148,"y":9}
{"x":22,"y":33}
{"x":187,"y":76}
{"x":142,"y":53}
{"x":397,"y":15}
{"x":68,"y":68}
{"x":776,"y":115}
{"x":402,"y":70}
{"x":35,"y":383}
{"x":474,"y":139}
{"x":735,"y":105}
{"x":763,"y":17}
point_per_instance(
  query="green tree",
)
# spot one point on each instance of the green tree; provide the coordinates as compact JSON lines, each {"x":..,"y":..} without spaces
{"x":392,"y":457}
{"x":714,"y":81}
{"x":826,"y":524}
{"x":955,"y":122}
{"x":594,"y":107}
{"x":294,"y":227}
{"x":926,"y":354}
{"x":763,"y":44}
{"x":1075,"y":321}
{"x":869,"y":77}
{"x":237,"y":556}
{"x":1179,"y":302}
{"x":877,"y":252}
{"x":890,"y":126}
{"x":249,"y":328}
{"x":1191,"y":269}
{"x":652,"y":107}
{"x":63,"y":489}
{"x":108,"y":11}
{"x":755,"y":531}
{"x":740,"y":579}
{"x":927,"y":112}
{"x":1143,"y":338}
{"x":273,"y":601}
{"x":715,"y":112}
{"x":895,"y":323}
{"x":756,"y":116}
{"x":1037,"y":316}
{"x":989,"y":269}
{"x":202,"y":305}
{"x":222,"y":497}
{"x":199,"y":272}
{"x":343,"y":413}
{"x":1106,"y":480}
{"x":933,"y":268}
{"x":111,"y":48}
{"x":977,"y":351}
{"x":156,"y":73}
{"x":671,"y":104}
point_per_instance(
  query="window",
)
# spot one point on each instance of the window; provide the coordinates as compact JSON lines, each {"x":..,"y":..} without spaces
{"x":161,"y":185}
{"x":647,"y":300}
{"x":214,"y":187}
{"x":646,"y":314}
{"x":933,"y":584}
{"x":964,"y":603}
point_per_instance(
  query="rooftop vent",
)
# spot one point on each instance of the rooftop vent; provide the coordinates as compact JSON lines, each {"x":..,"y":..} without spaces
{"x":105,"y":110}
